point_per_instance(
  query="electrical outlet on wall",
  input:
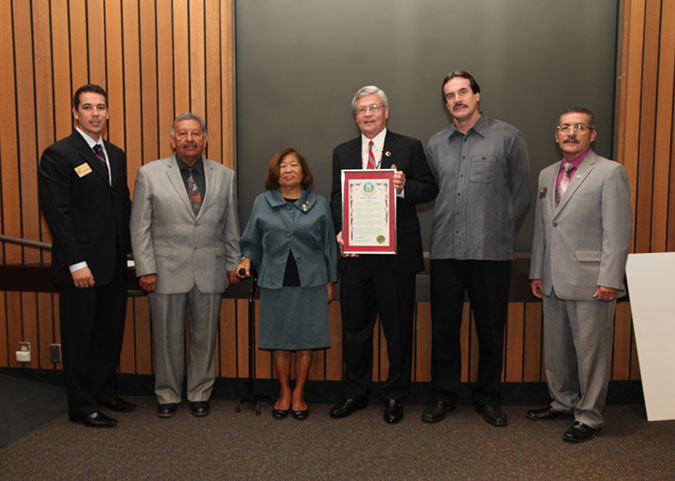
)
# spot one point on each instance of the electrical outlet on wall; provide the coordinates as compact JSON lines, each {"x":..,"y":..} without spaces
{"x":55,"y":352}
{"x":23,"y":354}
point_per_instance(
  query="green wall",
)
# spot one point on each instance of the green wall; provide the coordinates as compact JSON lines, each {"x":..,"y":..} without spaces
{"x":299,"y":62}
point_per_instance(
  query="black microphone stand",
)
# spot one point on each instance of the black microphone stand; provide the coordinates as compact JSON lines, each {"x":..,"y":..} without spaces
{"x":251,"y":397}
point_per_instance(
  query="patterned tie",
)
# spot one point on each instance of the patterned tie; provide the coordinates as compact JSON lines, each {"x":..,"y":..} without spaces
{"x":98,"y":151}
{"x":564,"y":183}
{"x":371,"y":156}
{"x":193,"y":193}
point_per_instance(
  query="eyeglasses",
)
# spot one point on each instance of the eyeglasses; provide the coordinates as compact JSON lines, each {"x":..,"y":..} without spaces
{"x":369,"y":108}
{"x":568,"y":128}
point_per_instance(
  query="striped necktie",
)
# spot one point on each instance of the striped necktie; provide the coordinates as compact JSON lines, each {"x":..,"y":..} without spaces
{"x":371,"y":156}
{"x":98,"y":151}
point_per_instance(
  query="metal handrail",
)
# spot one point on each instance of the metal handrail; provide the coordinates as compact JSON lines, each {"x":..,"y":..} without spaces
{"x":25,"y":242}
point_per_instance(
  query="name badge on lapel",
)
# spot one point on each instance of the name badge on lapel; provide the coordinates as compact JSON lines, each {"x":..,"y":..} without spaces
{"x":82,"y":170}
{"x":542,"y":193}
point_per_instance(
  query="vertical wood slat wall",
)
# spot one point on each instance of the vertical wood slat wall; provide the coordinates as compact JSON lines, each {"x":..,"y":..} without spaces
{"x":158,"y":58}
{"x":646,"y":135}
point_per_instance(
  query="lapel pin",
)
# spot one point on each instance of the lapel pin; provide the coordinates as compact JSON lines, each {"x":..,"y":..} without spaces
{"x":387,"y":153}
{"x":579,"y":176}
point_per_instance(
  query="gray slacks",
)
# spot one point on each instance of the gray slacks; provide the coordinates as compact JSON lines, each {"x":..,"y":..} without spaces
{"x":578,"y":339}
{"x":169,"y":314}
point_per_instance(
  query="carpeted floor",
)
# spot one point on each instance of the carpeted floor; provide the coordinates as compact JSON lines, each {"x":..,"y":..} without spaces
{"x":226,"y":445}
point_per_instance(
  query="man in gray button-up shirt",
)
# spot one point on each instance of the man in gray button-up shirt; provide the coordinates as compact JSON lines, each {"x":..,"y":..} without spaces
{"x":481,"y":168}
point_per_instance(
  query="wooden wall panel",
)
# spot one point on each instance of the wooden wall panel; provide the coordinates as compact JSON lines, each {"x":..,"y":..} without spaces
{"x":533,"y":341}
{"x":46,"y":335}
{"x":155,"y":60}
{"x":645,"y":140}
{"x":142,"y":336}
{"x":422,"y":347}
{"x":227,"y":353}
{"x":334,"y":354}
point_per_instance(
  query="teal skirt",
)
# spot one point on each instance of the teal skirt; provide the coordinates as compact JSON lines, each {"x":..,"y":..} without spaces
{"x":294,"y":318}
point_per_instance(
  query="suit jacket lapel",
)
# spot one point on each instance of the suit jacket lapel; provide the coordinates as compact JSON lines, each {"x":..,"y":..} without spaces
{"x":579,"y":177}
{"x":176,"y":180}
{"x":388,"y":151}
{"x":550,"y":186}
{"x":354,"y":156}
{"x":209,"y":183}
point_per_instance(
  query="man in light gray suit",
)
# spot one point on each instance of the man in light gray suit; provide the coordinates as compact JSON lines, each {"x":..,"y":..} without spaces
{"x":582,"y":234}
{"x":185,"y":238}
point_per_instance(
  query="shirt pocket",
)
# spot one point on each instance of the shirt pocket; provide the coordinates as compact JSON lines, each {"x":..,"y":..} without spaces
{"x":482,"y":168}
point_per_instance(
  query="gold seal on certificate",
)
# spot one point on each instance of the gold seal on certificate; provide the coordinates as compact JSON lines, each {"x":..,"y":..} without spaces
{"x":369,"y":211}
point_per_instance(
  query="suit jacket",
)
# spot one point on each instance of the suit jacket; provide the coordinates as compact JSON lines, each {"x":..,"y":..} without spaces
{"x":170,"y":241}
{"x":584,"y":243}
{"x":88,"y":217}
{"x":408,"y":155}
{"x":305,"y":225}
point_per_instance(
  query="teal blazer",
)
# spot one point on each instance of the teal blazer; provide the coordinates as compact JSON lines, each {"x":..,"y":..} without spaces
{"x":277,"y":227}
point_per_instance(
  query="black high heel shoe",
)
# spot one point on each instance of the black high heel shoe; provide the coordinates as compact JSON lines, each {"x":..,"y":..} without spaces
{"x":280,"y":413}
{"x":300,"y":415}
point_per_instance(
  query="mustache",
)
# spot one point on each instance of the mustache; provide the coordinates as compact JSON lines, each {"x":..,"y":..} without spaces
{"x":571,"y":140}
{"x":456,"y":106}
{"x":190,"y":144}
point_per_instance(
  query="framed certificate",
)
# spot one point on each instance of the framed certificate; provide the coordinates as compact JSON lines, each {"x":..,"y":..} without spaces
{"x":369,"y":211}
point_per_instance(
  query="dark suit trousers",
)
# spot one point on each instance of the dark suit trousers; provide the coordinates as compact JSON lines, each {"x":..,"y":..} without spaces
{"x":92,"y":329}
{"x":369,"y":285}
{"x":487,"y":283}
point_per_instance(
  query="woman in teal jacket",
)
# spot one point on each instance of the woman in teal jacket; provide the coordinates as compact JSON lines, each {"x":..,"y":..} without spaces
{"x":290,"y":242}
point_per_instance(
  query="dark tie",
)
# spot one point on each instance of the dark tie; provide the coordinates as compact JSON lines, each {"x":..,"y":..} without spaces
{"x":193,"y":193}
{"x":564,"y":183}
{"x":371,"y":156}
{"x":98,"y":151}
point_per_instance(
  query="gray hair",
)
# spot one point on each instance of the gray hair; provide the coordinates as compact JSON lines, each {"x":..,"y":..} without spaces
{"x":579,"y":110}
{"x":367,"y":90}
{"x":188,"y":116}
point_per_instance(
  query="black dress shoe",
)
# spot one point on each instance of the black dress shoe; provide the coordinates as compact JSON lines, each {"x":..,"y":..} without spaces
{"x":166,"y":410}
{"x":300,"y":415}
{"x":95,"y":420}
{"x":200,"y":408}
{"x":393,"y":411}
{"x":544,"y":414}
{"x":280,"y":413}
{"x":492,"y":414}
{"x":436,"y":412}
{"x":119,"y":405}
{"x":347,"y":406}
{"x":579,"y":432}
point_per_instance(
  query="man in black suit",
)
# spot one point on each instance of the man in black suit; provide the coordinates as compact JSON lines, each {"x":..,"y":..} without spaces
{"x":380,"y":284}
{"x":82,"y":184}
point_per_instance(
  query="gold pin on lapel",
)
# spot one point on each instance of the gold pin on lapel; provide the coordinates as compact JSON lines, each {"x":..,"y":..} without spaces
{"x":542,"y":193}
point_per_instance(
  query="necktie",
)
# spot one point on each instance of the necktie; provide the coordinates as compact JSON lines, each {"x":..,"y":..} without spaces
{"x":193,"y":193}
{"x":371,"y":156}
{"x":98,"y":151}
{"x":564,"y":183}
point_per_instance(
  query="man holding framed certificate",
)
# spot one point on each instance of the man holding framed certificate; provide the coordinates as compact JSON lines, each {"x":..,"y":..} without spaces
{"x":387,"y":173}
